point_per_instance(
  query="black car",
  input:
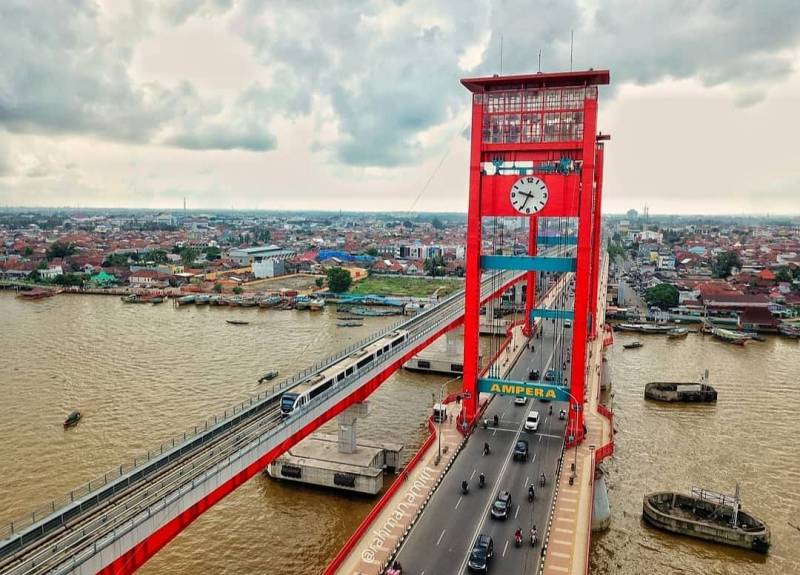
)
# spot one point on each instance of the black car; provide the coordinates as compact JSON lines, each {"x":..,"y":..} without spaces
{"x":502,"y":506}
{"x":550,"y":375}
{"x":482,"y":552}
{"x":521,"y":451}
{"x":534,"y":375}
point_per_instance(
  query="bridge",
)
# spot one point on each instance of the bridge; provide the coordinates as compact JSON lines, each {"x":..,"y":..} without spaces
{"x":116,"y":522}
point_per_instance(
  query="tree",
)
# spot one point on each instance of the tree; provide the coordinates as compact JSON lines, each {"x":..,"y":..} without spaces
{"x":156,"y":256}
{"x":664,"y":296}
{"x":188,"y":255}
{"x":339,"y":280}
{"x":434,"y":266}
{"x":213,"y":253}
{"x":69,"y":280}
{"x":116,"y":261}
{"x":217,"y":288}
{"x":238,"y":290}
{"x":28,"y":252}
{"x":373,"y":251}
{"x":319,"y":282}
{"x":724,"y":262}
{"x":614,"y":250}
{"x":437,"y":223}
{"x":783,"y":275}
{"x":60,"y":250}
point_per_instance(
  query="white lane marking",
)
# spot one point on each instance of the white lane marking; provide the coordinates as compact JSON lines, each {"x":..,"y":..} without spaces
{"x":527,"y":478}
{"x":440,"y":537}
{"x":459,"y":501}
{"x":532,"y":461}
{"x":504,"y":548}
{"x":474,"y":471}
{"x":494,"y":432}
{"x":516,"y":512}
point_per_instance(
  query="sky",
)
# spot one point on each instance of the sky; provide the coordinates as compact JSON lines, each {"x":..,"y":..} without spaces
{"x":357,"y":105}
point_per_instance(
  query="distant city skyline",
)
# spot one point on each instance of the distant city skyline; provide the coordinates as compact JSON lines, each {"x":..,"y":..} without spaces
{"x":140,"y":104}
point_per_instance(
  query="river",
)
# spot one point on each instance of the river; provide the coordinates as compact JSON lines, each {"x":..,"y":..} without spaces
{"x":139,"y":373}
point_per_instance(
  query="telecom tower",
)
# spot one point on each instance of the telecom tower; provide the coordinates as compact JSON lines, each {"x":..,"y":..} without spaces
{"x":535,"y":153}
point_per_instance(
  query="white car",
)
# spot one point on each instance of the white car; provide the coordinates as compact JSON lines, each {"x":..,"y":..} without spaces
{"x":520,"y":400}
{"x":532,"y":421}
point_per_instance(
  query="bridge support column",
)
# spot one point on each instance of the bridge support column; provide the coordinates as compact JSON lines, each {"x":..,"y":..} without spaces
{"x":530,"y":296}
{"x":347,"y":426}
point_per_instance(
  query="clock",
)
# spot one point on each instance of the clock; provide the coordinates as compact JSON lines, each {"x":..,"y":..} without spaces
{"x":529,"y":195}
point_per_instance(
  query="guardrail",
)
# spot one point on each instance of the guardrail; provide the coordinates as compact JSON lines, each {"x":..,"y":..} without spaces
{"x":365,"y":524}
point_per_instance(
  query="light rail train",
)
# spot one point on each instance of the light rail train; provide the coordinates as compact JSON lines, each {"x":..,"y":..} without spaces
{"x":328,"y":378}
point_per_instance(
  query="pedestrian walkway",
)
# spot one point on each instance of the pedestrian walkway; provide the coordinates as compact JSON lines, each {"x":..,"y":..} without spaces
{"x":571,"y":526}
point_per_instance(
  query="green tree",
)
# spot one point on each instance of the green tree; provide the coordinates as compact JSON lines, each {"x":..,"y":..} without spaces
{"x":116,"y":261}
{"x":339,"y":280}
{"x":664,"y":296}
{"x":434,"y":266}
{"x":238,"y":290}
{"x":724,"y":263}
{"x":614,"y":249}
{"x":217,"y":288}
{"x":437,"y":223}
{"x":373,"y":251}
{"x":60,"y":250}
{"x":188,"y":255}
{"x":319,"y":282}
{"x":213,"y":253}
{"x":28,"y":252}
{"x":69,"y":280}
{"x":157,"y":256}
{"x":783,"y":275}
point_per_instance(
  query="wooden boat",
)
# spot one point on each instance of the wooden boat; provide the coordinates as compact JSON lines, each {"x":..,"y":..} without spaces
{"x":237,"y":322}
{"x":269,"y":301}
{"x":349,"y":323}
{"x":677,"y":333}
{"x":248,"y":302}
{"x":270,"y":375}
{"x":707,"y":515}
{"x":187,"y":299}
{"x":730,"y":336}
{"x":130,"y":298}
{"x":316,"y":304}
{"x":72,"y":419}
{"x":156,"y":300}
{"x":36,"y":293}
{"x":202,"y":299}
{"x":680,"y":392}
{"x":633,"y":345}
{"x":789,"y":330}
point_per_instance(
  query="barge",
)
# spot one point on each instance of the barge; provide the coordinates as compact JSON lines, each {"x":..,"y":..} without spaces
{"x":707,"y":515}
{"x":674,"y":392}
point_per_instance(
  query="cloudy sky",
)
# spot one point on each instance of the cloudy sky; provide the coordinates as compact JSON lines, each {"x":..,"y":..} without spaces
{"x":356,"y":104}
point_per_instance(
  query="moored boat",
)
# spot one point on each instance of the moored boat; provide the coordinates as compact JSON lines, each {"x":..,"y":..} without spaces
{"x":707,"y":515}
{"x":677,"y":333}
{"x":316,"y":304}
{"x":36,"y":293}
{"x":633,"y":345}
{"x":130,"y":298}
{"x":237,"y":322}
{"x":156,"y":300}
{"x":72,"y":419}
{"x":187,"y":299}
{"x":270,"y":375}
{"x":269,"y":301}
{"x":730,"y":336}
{"x":789,"y":330}
{"x":680,"y":392}
{"x":202,"y":299}
{"x":349,"y":323}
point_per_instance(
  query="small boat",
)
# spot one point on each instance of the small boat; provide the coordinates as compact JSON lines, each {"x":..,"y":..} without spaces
{"x":316,"y":304}
{"x":730,"y":336}
{"x":130,"y":298}
{"x":707,"y":515}
{"x":633,"y":345}
{"x":202,"y":299}
{"x":685,"y":392}
{"x":789,"y":330}
{"x":677,"y":333}
{"x":156,"y":300}
{"x":372,"y":312}
{"x":187,"y":299}
{"x":248,"y":302}
{"x":270,"y":375}
{"x":349,"y":323}
{"x":237,"y":322}
{"x":302,"y":302}
{"x":72,"y":419}
{"x":35,"y":293}
{"x":269,"y":301}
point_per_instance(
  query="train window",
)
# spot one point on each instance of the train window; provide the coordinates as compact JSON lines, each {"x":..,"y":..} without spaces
{"x":397,"y":342}
{"x":364,"y":361}
{"x":456,"y":367}
{"x":349,"y":370}
{"x":340,"y":377}
{"x":315,"y":391}
{"x":385,"y":349}
{"x":423,"y":363}
{"x":379,"y":353}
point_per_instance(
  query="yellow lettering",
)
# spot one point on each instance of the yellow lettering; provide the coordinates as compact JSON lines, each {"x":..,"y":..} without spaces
{"x":538,"y":392}
{"x":551,"y":394}
{"x":508,"y":389}
{"x":520,"y":390}
{"x":495,"y":388}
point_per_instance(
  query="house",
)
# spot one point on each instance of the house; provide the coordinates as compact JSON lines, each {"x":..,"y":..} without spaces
{"x":52,"y":271}
{"x":148,"y":278}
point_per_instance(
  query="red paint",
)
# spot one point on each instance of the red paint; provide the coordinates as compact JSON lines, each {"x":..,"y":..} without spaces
{"x":472,"y":288}
{"x":597,"y":247}
{"x":496,"y":198}
{"x":530,"y":294}
{"x":141,"y":552}
{"x":365,"y":524}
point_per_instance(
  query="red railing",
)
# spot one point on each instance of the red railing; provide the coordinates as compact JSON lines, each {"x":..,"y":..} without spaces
{"x":365,"y":524}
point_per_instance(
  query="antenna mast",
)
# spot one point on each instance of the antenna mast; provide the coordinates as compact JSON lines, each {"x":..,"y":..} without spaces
{"x":501,"y":54}
{"x":571,"y":44}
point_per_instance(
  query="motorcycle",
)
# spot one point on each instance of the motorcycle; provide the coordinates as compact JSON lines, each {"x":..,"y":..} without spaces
{"x":542,"y":480}
{"x":464,"y":487}
{"x":562,"y":415}
{"x":481,"y":480}
{"x":533,"y":539}
{"x":486,"y":450}
{"x":518,"y":538}
{"x":531,"y":494}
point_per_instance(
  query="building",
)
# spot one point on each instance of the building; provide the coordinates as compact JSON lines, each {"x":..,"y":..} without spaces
{"x":248,"y":256}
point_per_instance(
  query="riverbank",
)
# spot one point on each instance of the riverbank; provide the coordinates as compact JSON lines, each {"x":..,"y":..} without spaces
{"x":406,"y":286}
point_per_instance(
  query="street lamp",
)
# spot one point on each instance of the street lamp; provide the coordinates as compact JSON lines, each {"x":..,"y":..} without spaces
{"x":439,"y":417}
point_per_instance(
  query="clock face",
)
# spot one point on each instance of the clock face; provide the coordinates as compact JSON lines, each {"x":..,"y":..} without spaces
{"x":529,"y":195}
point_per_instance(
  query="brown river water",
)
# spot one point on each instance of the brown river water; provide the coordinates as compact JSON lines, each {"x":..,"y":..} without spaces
{"x":140,"y":373}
